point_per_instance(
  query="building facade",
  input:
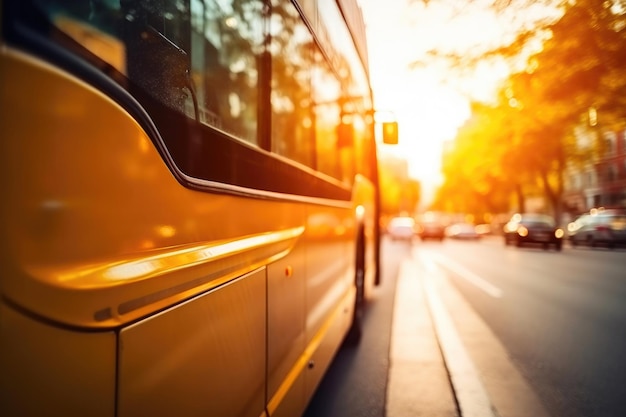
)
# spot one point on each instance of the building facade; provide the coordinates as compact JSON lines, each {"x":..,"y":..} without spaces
{"x":601,"y":181}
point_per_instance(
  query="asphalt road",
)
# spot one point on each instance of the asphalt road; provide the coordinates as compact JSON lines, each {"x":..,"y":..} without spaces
{"x":355,"y":385}
{"x":560,"y":317}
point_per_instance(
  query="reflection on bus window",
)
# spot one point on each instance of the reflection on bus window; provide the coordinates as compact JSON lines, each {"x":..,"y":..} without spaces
{"x":198,"y":57}
{"x":292,"y":124}
{"x":157,"y":51}
{"x":326,"y":94}
{"x":226,"y":39}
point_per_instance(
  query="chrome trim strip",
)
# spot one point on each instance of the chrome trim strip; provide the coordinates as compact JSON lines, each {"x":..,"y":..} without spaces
{"x":255,"y":193}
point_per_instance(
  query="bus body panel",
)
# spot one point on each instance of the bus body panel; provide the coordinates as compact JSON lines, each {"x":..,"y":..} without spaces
{"x":317,"y":298}
{"x":51,"y":371}
{"x":203,"y":357}
{"x":286,"y":339}
{"x":326,"y":342}
{"x":330,"y":290}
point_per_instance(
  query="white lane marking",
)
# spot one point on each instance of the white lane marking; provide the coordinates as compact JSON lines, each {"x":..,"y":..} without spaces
{"x":469,"y":390}
{"x":462,"y":272}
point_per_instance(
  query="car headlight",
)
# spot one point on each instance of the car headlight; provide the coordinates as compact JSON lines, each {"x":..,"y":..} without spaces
{"x":559,"y":233}
{"x":522,"y":231}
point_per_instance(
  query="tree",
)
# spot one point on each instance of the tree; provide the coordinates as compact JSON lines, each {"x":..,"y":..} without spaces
{"x":580,"y":66}
{"x":584,"y":62}
{"x":482,"y":168}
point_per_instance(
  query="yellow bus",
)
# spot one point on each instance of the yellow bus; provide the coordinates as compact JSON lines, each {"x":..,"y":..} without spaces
{"x":190,"y":204}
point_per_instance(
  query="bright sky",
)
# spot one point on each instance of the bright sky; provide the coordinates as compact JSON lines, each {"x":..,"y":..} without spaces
{"x":429,"y":104}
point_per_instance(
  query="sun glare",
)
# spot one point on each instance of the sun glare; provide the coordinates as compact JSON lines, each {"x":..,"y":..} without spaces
{"x":430,"y":102}
{"x":429,"y":113}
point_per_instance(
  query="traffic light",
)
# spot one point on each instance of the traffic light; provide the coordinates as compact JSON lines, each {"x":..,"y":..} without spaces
{"x":390,"y":133}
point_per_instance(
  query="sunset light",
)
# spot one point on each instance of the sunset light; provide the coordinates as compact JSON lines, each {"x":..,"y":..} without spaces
{"x":429,"y":99}
{"x":307,"y":208}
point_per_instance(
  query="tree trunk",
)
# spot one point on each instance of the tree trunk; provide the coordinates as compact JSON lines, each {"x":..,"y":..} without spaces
{"x":553,"y":196}
{"x":521,"y":200}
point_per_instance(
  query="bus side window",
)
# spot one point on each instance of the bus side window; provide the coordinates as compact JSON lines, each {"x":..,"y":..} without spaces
{"x":197,"y":57}
{"x":327,"y":98}
{"x":156,"y":34}
{"x":227,"y":40}
{"x":160,"y":68}
{"x":292,"y":119}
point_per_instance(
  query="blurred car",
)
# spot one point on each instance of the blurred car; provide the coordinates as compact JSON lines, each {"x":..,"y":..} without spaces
{"x":483,"y":229}
{"x":401,"y":228}
{"x":599,"y":227}
{"x":431,"y":229}
{"x":462,"y":231}
{"x":534,"y":229}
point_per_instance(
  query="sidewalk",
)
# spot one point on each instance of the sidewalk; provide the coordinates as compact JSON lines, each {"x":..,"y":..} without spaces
{"x":419,"y":383}
{"x":444,"y":360}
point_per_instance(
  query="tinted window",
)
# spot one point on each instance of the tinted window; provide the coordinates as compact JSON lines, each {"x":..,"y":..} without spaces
{"x":226,"y":43}
{"x":196,"y":57}
{"x":327,"y":113}
{"x":292,"y":118}
{"x":214,"y":61}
